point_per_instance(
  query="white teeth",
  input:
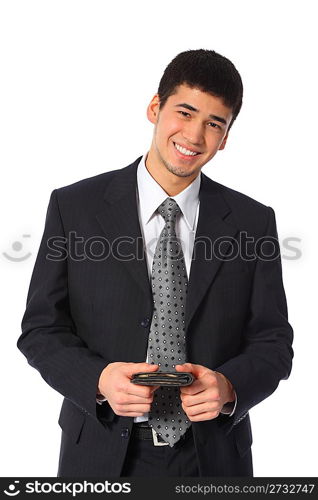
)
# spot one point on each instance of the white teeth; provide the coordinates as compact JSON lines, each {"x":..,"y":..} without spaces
{"x":184,"y":151}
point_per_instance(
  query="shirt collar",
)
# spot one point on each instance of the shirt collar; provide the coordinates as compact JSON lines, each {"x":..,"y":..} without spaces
{"x":151,"y":195}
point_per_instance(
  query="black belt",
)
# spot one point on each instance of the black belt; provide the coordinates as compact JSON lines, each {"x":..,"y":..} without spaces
{"x":141,"y":430}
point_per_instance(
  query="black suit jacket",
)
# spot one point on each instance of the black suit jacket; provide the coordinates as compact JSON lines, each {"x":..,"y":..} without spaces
{"x":90,"y":304}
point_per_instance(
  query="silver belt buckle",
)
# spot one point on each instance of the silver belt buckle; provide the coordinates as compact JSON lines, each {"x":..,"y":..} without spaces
{"x":155,"y":439}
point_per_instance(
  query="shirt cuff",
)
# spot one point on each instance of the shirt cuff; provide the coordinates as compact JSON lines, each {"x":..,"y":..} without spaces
{"x":100,"y":399}
{"x":229,"y":408}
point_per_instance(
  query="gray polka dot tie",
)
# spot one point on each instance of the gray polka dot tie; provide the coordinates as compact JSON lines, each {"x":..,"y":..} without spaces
{"x":166,"y":344}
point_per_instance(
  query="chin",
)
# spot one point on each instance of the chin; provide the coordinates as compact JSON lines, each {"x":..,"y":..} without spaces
{"x":181,"y":171}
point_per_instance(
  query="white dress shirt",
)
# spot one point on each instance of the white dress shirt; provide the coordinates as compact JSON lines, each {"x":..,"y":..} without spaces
{"x":149,"y":196}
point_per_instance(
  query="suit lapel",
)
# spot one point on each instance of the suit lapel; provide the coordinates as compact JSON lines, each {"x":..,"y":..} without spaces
{"x":120,"y":222}
{"x":214,"y":223}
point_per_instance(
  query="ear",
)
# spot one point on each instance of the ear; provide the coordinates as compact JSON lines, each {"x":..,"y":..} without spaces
{"x":153,"y":109}
{"x":223,"y":143}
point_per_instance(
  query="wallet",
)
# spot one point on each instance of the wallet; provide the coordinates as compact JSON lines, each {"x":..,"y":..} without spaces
{"x":163,"y":378}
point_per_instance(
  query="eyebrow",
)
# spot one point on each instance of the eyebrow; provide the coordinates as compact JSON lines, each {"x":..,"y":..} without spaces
{"x":191,"y":108}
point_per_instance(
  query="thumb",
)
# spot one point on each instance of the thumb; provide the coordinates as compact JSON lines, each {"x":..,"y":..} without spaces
{"x":186,"y":367}
{"x":196,"y":370}
{"x":141,"y":367}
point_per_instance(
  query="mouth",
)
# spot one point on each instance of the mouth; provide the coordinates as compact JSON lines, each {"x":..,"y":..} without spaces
{"x":185,"y":152}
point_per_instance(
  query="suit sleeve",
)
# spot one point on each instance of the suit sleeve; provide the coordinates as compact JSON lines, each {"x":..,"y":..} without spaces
{"x":49,"y":340}
{"x":266,"y":356}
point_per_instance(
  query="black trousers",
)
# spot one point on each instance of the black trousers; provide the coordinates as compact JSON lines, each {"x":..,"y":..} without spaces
{"x":145,"y":459}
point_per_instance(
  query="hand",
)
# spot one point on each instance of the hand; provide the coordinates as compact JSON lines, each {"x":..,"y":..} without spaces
{"x":126,"y":399}
{"x":205,"y":397}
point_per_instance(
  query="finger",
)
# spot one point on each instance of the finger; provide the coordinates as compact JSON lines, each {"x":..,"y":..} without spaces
{"x":192,"y":400}
{"x":197,"y":370}
{"x":196,"y":387}
{"x":131,"y":400}
{"x":201,"y":408}
{"x":186,"y":367}
{"x":136,"y":398}
{"x":132,"y":368}
{"x":200,"y":397}
{"x":204,"y":416}
{"x":139,"y":408}
{"x":139,"y":393}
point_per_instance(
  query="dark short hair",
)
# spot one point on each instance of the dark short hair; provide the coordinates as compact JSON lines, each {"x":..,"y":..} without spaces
{"x":206,"y":70}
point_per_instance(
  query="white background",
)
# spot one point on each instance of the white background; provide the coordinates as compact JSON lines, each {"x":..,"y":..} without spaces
{"x":76,"y":77}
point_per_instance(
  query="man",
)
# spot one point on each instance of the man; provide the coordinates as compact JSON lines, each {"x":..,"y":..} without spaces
{"x":108,"y":300}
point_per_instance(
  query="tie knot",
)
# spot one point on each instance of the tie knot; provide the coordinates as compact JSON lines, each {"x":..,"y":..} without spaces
{"x":169,"y":210}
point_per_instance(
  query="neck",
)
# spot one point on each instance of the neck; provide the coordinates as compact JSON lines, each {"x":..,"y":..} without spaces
{"x":171,"y":183}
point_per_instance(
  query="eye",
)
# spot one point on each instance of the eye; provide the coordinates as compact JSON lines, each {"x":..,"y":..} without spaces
{"x":214,"y":125}
{"x":184,"y":113}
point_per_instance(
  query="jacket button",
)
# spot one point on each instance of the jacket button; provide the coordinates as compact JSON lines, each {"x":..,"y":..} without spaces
{"x":125,"y":433}
{"x":145,"y":322}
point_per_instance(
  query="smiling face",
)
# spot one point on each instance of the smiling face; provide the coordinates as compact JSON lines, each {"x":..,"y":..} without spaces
{"x":190,"y":128}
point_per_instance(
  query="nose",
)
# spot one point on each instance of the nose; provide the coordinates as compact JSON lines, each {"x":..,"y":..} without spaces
{"x":193,"y":133}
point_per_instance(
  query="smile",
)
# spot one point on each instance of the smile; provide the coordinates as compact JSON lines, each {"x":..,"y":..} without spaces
{"x":185,"y":151}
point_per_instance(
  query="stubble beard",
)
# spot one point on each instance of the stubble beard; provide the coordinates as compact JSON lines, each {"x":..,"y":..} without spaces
{"x":178,"y":171}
